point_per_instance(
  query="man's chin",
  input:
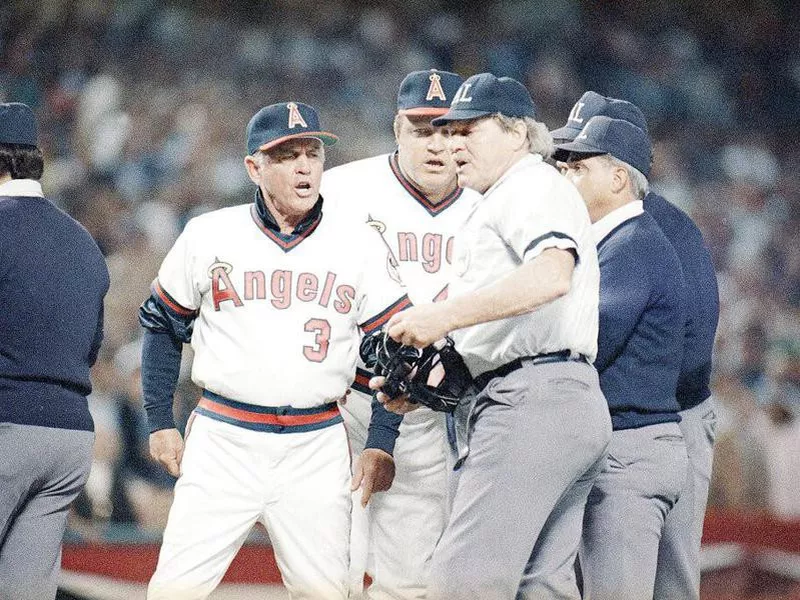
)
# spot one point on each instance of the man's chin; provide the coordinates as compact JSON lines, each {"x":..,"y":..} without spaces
{"x":465,"y":181}
{"x":438,"y":181}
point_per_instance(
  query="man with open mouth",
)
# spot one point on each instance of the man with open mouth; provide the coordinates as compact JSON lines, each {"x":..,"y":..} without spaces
{"x":273,"y":298}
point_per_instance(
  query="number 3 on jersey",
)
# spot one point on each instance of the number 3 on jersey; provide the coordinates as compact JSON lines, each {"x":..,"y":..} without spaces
{"x":319,"y":350}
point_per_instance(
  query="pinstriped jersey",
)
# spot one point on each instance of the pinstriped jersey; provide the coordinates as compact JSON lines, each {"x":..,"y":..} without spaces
{"x":277,"y":316}
{"x":529,"y":209}
{"x":418,"y":233}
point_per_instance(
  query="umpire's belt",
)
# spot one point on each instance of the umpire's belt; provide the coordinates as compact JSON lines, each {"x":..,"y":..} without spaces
{"x":539,"y":359}
{"x":272,"y":419}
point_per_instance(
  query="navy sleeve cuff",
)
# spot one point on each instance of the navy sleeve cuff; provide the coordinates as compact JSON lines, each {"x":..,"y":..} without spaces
{"x":161,"y":365}
{"x":384,"y":427}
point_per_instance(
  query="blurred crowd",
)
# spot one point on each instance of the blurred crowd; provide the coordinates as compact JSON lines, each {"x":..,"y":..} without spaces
{"x":142,"y":107}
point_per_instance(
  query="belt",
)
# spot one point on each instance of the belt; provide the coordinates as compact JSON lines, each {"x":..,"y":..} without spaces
{"x":538,"y":359}
{"x":271,"y":419}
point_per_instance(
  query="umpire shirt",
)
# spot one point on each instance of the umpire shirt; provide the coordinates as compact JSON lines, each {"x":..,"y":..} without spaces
{"x":642,"y":318}
{"x":529,"y":209}
{"x":53,"y":278}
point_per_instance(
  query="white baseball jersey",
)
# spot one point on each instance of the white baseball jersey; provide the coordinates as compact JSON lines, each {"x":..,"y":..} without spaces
{"x":529,"y":209}
{"x":279,"y":316}
{"x":419,"y":234}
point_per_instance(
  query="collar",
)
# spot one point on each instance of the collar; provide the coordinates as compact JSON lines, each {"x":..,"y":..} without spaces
{"x":268,"y":225}
{"x":607,"y":224}
{"x":417,"y":194}
{"x":22,"y":187}
{"x":268,"y":221}
{"x":525,"y":162}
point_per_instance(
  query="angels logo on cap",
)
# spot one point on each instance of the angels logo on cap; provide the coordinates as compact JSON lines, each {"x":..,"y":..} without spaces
{"x":295,"y":118}
{"x":272,"y":126}
{"x":435,"y":90}
{"x":427,"y":93}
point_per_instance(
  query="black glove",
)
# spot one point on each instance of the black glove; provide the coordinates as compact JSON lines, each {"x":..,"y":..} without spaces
{"x":408,"y":371}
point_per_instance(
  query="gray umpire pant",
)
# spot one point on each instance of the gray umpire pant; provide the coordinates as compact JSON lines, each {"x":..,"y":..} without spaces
{"x":642,"y":480}
{"x":538,"y":439}
{"x":42,"y":470}
{"x":678,"y":570}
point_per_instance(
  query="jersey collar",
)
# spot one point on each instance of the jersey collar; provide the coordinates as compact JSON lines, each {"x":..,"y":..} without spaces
{"x":433,"y":209}
{"x":269,"y":226}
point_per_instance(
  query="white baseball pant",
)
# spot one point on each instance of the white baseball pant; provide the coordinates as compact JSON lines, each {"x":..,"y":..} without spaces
{"x":296,"y":484}
{"x":394,"y":537}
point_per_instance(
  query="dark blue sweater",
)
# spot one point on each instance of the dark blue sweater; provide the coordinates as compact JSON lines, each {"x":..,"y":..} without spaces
{"x":53,"y":278}
{"x":702,"y":302}
{"x":642,"y":320}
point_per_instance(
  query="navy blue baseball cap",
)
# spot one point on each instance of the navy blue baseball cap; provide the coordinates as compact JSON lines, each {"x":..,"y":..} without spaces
{"x":484,"y":94}
{"x":277,"y":123}
{"x":427,"y":92}
{"x":592,"y":104}
{"x":17,"y":124}
{"x":620,"y":139}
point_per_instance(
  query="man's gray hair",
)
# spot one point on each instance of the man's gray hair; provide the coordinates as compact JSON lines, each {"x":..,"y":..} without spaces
{"x":638,"y":182}
{"x":539,"y":139}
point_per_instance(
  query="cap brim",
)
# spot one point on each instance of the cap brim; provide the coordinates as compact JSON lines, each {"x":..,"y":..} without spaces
{"x":325,"y":137}
{"x":459,"y":115}
{"x":566,"y":134}
{"x":423,"y":111}
{"x":581,"y":148}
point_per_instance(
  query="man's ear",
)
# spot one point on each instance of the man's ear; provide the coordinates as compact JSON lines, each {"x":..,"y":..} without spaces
{"x":253,"y":169}
{"x":619,"y":180}
{"x":521,"y":132}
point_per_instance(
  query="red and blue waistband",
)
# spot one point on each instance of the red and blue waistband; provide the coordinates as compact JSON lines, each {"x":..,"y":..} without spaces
{"x":270,"y":419}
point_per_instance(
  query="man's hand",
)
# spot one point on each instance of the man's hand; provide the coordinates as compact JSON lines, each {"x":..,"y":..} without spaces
{"x":374,"y":472}
{"x":399,"y":406}
{"x":166,"y":446}
{"x":420,"y":326}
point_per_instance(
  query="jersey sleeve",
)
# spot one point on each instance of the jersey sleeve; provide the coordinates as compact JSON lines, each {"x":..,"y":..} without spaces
{"x":383,"y":293}
{"x":176,"y":285}
{"x":532,"y":220}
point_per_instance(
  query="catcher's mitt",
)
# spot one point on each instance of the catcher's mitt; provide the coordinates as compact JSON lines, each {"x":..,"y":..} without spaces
{"x":435,"y":377}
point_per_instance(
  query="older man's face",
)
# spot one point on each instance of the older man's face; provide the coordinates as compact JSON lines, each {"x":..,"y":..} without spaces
{"x":593,"y":176}
{"x":289,"y":175}
{"x":482,"y":151}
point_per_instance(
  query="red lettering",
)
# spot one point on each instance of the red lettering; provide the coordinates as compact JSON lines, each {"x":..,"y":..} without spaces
{"x":327,"y":290}
{"x":281,"y":289}
{"x":219,"y":294}
{"x":322,"y":330}
{"x":448,"y":252}
{"x":432,"y":252}
{"x":345,"y":294}
{"x":406,"y":246}
{"x":307,"y":286}
{"x":254,"y":285}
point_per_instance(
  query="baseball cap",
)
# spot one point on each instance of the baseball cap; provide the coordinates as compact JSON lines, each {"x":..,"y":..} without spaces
{"x":484,"y":94}
{"x":620,"y":139}
{"x":427,"y":92}
{"x":277,"y":123}
{"x":17,"y":124}
{"x":592,"y":104}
